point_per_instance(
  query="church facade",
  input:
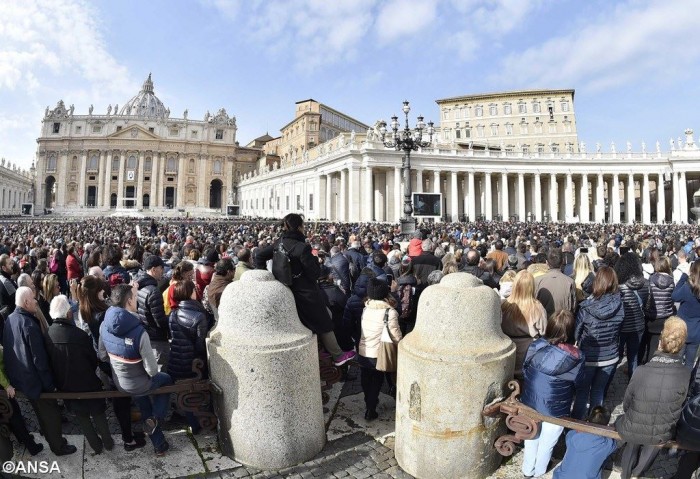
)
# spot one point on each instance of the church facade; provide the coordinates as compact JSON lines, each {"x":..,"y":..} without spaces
{"x":138,"y":158}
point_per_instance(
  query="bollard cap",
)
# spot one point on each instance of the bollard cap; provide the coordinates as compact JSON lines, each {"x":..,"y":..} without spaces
{"x":259,"y":311}
{"x":458,"y":318}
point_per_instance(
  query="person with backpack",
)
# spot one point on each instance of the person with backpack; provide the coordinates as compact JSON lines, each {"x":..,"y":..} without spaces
{"x":114,"y":272}
{"x":294,"y":265}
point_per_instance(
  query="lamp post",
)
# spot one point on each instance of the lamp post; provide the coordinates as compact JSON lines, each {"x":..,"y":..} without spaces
{"x":406,"y":140}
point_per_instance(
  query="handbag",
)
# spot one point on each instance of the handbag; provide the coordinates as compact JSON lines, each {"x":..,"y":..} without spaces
{"x":387,"y":357}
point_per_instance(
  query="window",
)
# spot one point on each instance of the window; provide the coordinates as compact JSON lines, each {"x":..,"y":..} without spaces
{"x":193,"y":134}
{"x":445,"y":134}
{"x":219,"y":134}
{"x":467,"y":133}
{"x":493,"y":110}
{"x":97,"y":128}
{"x":494,"y":130}
{"x":174,"y":132}
{"x":131,"y":162}
{"x":115,"y":164}
{"x":480,"y":131}
{"x":507,"y":110}
{"x":526,"y":149}
{"x":523,"y":128}
{"x":56,"y":127}
{"x":311,"y":202}
{"x":536,"y":107}
{"x":522,"y":108}
{"x":552,"y":127}
{"x":555,"y":148}
{"x":152,"y":129}
{"x":52,"y":162}
{"x":458,"y":134}
{"x":74,"y":163}
{"x":190,"y":168}
{"x":171,"y":165}
{"x":551,"y":112}
{"x":299,"y":206}
{"x":565,"y":106}
{"x":147,"y":164}
{"x":567,"y":126}
{"x":540,"y":148}
{"x":119,"y":128}
{"x":78,"y":130}
{"x":92,"y":163}
{"x":217,"y":167}
{"x":538,"y":127}
{"x":479,"y":111}
{"x":509,"y":128}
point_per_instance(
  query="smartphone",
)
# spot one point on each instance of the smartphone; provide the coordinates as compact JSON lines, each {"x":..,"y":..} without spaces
{"x":389,"y":278}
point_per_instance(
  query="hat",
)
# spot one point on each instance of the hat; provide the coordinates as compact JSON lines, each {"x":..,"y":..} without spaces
{"x":59,"y":307}
{"x":211,"y":258}
{"x":152,"y":261}
{"x":513,"y":261}
{"x":377,"y":289}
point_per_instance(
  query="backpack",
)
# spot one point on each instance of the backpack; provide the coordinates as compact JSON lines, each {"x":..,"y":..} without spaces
{"x":405,"y":301}
{"x":282,"y":265}
{"x":53,"y":264}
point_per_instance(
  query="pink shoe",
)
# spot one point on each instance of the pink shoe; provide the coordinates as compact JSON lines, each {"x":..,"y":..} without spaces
{"x":344,"y":358}
{"x":324,"y":355}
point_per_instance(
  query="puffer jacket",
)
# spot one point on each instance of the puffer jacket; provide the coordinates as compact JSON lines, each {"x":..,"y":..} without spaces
{"x":598,"y":328}
{"x":373,"y":325}
{"x":550,"y":374}
{"x":659,"y":306}
{"x":340,"y":268}
{"x":634,"y":303}
{"x":189,"y":327}
{"x":150,"y":308}
{"x":654,"y":400}
{"x":688,"y":431}
{"x":689,"y":309}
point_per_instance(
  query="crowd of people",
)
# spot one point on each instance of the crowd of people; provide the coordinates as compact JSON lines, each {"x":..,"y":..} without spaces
{"x":127,"y":304}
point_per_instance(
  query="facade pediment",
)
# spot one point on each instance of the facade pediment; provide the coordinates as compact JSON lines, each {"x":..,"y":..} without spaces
{"x":133,"y":132}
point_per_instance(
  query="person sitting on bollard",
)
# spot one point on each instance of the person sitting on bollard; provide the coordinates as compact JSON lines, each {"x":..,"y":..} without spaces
{"x":586,"y":452}
{"x":654,"y":400}
{"x":551,"y":370}
{"x":123,"y":339}
{"x":306,"y":268}
{"x":379,"y":310}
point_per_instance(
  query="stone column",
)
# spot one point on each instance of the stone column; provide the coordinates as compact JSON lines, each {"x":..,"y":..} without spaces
{"x":99,"y":201}
{"x":202,"y":190}
{"x":181,"y":181}
{"x":646,"y":200}
{"x":584,"y":209}
{"x":419,"y":181}
{"x":505,"y":212}
{"x":488,"y":200}
{"x":106,"y":190}
{"x":266,"y":421}
{"x":354,"y":197}
{"x":343,"y":195}
{"x":631,"y":211}
{"x":538,"y":197}
{"x":61,"y":179}
{"x":471,"y":210}
{"x":522,"y":214}
{"x":436,"y":181}
{"x":161,"y":182}
{"x":120,"y":183}
{"x":368,"y":207}
{"x":684,"y":198}
{"x":599,"y":200}
{"x":440,"y":431}
{"x":454,"y":199}
{"x":615,"y":199}
{"x":81,"y":185}
{"x":660,"y":200}
{"x":155,"y":170}
{"x":329,"y":198}
{"x":568,"y":198}
{"x":553,"y":198}
{"x":398,"y":195}
{"x":139,"y":182}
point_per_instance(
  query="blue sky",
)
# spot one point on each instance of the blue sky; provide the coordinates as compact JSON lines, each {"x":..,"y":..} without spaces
{"x":634,"y":63}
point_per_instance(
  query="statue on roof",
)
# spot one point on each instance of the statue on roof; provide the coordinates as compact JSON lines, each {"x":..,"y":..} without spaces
{"x":90,"y":110}
{"x":109,"y":109}
{"x":71,"y":110}
{"x":184,"y":115}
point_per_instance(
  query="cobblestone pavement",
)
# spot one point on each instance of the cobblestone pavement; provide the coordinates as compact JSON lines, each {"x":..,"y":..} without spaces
{"x":355,"y":448}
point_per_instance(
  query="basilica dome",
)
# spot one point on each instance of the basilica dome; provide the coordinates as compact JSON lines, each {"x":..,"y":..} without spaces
{"x":146,"y":104}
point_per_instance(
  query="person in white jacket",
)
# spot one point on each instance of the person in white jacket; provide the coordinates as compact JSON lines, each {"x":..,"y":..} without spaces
{"x":683,"y":265}
{"x":379,"y":304}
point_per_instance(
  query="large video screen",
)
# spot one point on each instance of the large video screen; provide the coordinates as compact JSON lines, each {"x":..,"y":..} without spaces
{"x":427,"y":204}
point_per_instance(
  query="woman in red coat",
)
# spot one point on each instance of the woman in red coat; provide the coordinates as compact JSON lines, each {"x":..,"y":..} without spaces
{"x":75,"y":269}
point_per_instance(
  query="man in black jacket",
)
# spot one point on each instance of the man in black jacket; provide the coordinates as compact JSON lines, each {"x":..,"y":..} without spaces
{"x":426,"y":262}
{"x":151,"y":311}
{"x":472,"y":267}
{"x":7,"y":289}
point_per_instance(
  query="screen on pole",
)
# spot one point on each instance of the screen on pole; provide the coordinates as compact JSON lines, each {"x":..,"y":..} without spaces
{"x":27,"y":209}
{"x":427,"y":204}
{"x":233,"y":210}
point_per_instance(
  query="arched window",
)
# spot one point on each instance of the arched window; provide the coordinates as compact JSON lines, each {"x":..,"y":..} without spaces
{"x":92,"y":163}
{"x":131,"y":162}
{"x":52,"y":162}
{"x":171,"y":164}
{"x":147,"y":164}
{"x":217,"y":167}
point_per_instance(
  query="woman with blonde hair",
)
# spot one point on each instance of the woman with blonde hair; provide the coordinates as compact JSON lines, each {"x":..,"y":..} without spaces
{"x":523,"y":318}
{"x":654,"y":400}
{"x":583,"y":277}
{"x":505,"y":284}
{"x":50,"y":288}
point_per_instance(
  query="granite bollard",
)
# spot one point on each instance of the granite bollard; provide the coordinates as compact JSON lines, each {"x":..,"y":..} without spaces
{"x":266,"y":363}
{"x":454,"y":362}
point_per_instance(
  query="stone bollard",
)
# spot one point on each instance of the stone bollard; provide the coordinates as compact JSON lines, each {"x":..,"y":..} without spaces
{"x":266,"y":363}
{"x":454,"y":363}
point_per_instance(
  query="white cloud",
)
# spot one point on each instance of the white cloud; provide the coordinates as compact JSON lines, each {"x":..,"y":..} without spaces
{"x":635,"y":39}
{"x":399,"y":18}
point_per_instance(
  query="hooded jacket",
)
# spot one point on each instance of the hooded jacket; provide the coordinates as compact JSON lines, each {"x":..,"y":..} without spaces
{"x":550,"y":374}
{"x":659,"y":306}
{"x":585,"y":455}
{"x":150,"y":308}
{"x":598,"y":329}
{"x":654,"y":400}
{"x":352,"y":315}
{"x":634,"y":294}
{"x":189,"y":327}
{"x":689,"y":309}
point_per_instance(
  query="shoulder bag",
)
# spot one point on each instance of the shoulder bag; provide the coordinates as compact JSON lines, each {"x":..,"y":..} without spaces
{"x":387,"y":357}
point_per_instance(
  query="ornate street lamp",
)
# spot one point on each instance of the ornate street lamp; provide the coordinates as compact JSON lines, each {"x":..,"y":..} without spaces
{"x":406,"y":140}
